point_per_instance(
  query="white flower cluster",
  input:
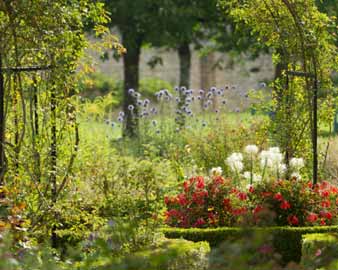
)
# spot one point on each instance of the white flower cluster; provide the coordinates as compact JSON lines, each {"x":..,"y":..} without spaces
{"x":217,"y":171}
{"x":255,"y":177}
{"x":296,"y":164}
{"x":235,"y":162}
{"x":273,"y":159}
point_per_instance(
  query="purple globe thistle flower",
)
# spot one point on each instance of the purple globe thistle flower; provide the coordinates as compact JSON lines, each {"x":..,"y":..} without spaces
{"x":177,"y":88}
{"x":131,"y":91}
{"x":213,"y":89}
{"x":205,"y":106}
{"x":209,"y":94}
{"x":121,"y":114}
{"x":113,"y":124}
{"x":139,"y":102}
{"x":219,"y":92}
{"x":120,"y":119}
{"x":178,"y":100}
{"x":183,"y":89}
{"x":178,"y":111}
{"x":201,"y":92}
{"x":167,"y":98}
{"x":131,"y":107}
{"x":146,"y":102}
{"x":137,"y":95}
{"x":188,"y":100}
{"x":153,"y":110}
{"x":199,"y":97}
{"x":209,"y":102}
{"x":262,"y":85}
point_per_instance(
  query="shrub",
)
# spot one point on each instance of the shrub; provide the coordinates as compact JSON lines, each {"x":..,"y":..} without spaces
{"x":215,"y":201}
{"x":319,"y":250}
{"x":287,"y":241}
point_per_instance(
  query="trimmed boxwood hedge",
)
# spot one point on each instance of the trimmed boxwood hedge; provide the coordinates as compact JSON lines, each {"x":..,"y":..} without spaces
{"x":287,"y":241}
{"x":320,"y":250}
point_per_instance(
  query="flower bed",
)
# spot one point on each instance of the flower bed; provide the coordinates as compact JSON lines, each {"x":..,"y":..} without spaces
{"x":216,"y":202}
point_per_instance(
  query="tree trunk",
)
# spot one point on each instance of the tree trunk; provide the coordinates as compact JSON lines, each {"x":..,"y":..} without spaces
{"x":184,"y":55}
{"x":131,"y":61}
{"x":2,"y":125}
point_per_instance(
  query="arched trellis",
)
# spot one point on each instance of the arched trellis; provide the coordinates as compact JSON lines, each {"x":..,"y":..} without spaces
{"x":302,"y":45}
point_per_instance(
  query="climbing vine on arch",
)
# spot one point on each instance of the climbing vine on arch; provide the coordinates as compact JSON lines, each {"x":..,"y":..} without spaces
{"x":302,"y":44}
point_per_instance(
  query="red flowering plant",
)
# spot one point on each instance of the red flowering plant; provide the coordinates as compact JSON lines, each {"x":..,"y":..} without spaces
{"x":215,"y":201}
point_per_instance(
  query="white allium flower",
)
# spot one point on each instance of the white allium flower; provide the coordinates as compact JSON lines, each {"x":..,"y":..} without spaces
{"x":251,"y":149}
{"x":247,"y":175}
{"x":296,"y":163}
{"x":274,"y":150}
{"x":257,"y":178}
{"x":235,"y":162}
{"x":282,"y":168}
{"x":217,"y":171}
{"x":296,"y":175}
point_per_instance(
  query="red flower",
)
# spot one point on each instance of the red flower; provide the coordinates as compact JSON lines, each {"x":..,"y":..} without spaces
{"x":226,"y":202}
{"x":242,"y":196}
{"x":186,"y":186}
{"x":199,"y":222}
{"x":258,"y":209}
{"x":200,"y":183}
{"x":166,"y":200}
{"x":312,"y":217}
{"x":251,"y":189}
{"x":326,"y":204}
{"x":182,"y":200}
{"x":322,"y":222}
{"x":325,"y":214}
{"x":325,"y":193}
{"x":239,"y":211}
{"x":293,"y":220}
{"x":278,"y":196}
{"x":285,"y":205}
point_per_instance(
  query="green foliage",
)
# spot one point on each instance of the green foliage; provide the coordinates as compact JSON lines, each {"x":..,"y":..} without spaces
{"x":287,"y":241}
{"x":320,"y":250}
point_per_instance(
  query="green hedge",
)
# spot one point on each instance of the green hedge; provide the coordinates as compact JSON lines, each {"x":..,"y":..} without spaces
{"x":320,"y":250}
{"x":171,"y":254}
{"x":287,"y":241}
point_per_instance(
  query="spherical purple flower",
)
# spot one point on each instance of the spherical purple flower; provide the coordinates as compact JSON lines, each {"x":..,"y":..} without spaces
{"x":188,"y":100}
{"x":131,"y":91}
{"x":120,"y":119}
{"x":113,"y":124}
{"x":130,"y":107}
{"x":209,"y":94}
{"x":205,"y":105}
{"x":201,"y":92}
{"x":153,"y":110}
{"x":262,"y":85}
{"x":177,"y":88}
{"x":213,"y":89}
{"x":178,"y":100}
{"x":146,"y":102}
{"x":121,"y":114}
{"x":137,"y":95}
{"x":183,"y":89}
{"x":139,"y":102}
{"x":199,"y":97}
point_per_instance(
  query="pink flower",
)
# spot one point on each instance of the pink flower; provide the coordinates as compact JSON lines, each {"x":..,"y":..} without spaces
{"x":242,"y":196}
{"x":293,"y":220}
